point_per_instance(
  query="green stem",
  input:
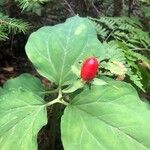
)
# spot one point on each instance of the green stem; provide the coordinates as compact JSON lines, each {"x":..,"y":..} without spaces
{"x":60,"y":93}
{"x":49,"y":92}
{"x":57,"y":100}
{"x":64,"y":102}
{"x":53,"y":102}
{"x":55,"y":118}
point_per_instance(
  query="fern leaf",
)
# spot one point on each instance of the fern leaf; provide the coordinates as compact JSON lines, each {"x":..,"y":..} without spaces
{"x":12,"y":24}
{"x":135,"y":79}
{"x":112,"y":51}
{"x":131,"y":55}
{"x":116,"y":68}
{"x":34,"y":6}
{"x":102,"y":32}
{"x":124,"y":29}
{"x":124,"y":36}
{"x":3,"y":34}
{"x":135,"y":67}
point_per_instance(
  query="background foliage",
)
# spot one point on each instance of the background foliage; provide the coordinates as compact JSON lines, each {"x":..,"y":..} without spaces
{"x":123,"y":28}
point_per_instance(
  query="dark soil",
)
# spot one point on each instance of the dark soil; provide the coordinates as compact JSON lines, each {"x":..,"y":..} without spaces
{"x":13,"y":67}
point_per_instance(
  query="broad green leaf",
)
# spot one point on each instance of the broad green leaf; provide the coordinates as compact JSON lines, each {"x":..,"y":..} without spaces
{"x":54,"y":49}
{"x":25,"y":82}
{"x":2,"y":91}
{"x":22,"y":115}
{"x":109,"y":117}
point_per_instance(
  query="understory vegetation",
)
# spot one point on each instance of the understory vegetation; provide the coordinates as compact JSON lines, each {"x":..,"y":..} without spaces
{"x":43,"y":46}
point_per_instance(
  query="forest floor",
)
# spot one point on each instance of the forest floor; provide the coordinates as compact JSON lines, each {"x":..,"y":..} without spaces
{"x":12,"y":67}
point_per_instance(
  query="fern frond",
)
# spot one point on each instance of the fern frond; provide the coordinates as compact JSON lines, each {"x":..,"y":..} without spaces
{"x":135,"y":79}
{"x":124,"y":36}
{"x":145,"y":1}
{"x":115,"y":22}
{"x":134,"y":56}
{"x":3,"y":33}
{"x":112,"y":51}
{"x":134,"y":68}
{"x":102,"y":32}
{"x":115,"y":68}
{"x":146,"y":10}
{"x":124,"y":29}
{"x":145,"y":77}
{"x":132,"y":64}
{"x":14,"y":25}
{"x":24,"y":4}
{"x":2,"y":2}
{"x":34,"y":6}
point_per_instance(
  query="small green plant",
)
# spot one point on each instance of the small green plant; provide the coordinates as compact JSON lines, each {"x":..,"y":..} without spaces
{"x":34,"y":6}
{"x":12,"y":25}
{"x":108,"y":115}
{"x":9,"y":25}
{"x":125,"y":36}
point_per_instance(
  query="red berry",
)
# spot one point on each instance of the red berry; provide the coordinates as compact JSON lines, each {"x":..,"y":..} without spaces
{"x":89,"y":69}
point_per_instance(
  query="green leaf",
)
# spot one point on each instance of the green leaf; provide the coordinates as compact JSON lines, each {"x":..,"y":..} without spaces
{"x":109,"y":117}
{"x":22,"y":115}
{"x":2,"y":91}
{"x":78,"y":84}
{"x":75,"y":70}
{"x":98,"y":81}
{"x":25,"y":82}
{"x":54,"y":49}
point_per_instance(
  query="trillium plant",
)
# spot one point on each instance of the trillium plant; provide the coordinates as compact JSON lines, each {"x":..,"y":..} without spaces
{"x":107,"y":115}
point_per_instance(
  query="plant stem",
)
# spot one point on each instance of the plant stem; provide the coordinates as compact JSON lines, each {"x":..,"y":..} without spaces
{"x":53,"y":102}
{"x":54,"y":131}
{"x":64,"y":102}
{"x":53,"y":126}
{"x":49,"y":92}
{"x":109,"y":35}
{"x":56,"y":110}
{"x":57,"y":100}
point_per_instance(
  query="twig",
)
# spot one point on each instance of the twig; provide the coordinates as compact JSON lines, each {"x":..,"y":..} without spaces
{"x":71,"y":10}
{"x":99,"y":13}
{"x":109,"y":35}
